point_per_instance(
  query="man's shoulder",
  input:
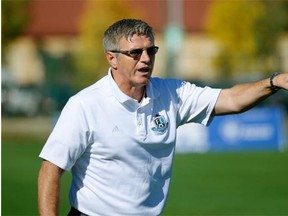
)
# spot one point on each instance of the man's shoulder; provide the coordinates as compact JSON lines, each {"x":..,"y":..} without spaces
{"x":94,"y":91}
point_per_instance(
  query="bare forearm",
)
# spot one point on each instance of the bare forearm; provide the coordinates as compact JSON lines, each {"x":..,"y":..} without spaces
{"x":242,"y":97}
{"x":48,"y":189}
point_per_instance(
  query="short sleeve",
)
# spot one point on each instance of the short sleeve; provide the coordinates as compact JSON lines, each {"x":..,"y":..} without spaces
{"x":69,"y":138}
{"x":196,"y":104}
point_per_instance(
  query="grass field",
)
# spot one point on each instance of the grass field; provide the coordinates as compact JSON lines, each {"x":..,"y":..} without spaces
{"x":202,"y":184}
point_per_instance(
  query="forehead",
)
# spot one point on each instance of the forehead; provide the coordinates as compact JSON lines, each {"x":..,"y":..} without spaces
{"x":136,"y":41}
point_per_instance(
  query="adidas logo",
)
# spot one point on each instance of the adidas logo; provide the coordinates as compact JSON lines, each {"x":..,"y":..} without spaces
{"x":115,"y":129}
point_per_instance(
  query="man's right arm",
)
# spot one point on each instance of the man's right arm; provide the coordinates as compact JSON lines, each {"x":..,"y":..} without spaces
{"x":49,"y":188}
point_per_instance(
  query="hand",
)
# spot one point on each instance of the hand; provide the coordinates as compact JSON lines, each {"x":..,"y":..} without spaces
{"x":281,"y":81}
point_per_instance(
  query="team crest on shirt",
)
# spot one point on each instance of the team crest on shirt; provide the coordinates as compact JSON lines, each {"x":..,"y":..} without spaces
{"x":160,"y":124}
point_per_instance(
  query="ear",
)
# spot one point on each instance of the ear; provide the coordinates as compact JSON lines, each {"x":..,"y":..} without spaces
{"x":112,"y":59}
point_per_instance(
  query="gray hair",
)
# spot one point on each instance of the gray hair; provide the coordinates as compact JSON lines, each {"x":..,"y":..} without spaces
{"x":125,"y":28}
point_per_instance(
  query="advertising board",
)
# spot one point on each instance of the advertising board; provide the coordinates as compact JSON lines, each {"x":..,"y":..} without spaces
{"x":259,"y":129}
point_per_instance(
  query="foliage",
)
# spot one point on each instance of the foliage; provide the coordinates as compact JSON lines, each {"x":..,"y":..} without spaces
{"x":273,"y":22}
{"x":60,"y":72}
{"x":90,"y":59}
{"x":248,"y":32}
{"x":12,"y":26}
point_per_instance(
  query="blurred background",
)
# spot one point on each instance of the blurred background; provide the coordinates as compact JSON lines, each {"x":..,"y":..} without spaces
{"x":52,"y":48}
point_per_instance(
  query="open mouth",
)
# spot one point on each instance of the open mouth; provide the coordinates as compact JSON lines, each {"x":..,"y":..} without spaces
{"x":144,"y":70}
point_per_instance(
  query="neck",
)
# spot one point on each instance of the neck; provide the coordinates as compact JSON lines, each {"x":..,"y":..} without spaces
{"x":135,"y":92}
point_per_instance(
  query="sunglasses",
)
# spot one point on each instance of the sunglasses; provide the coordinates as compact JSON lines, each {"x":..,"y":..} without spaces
{"x":136,"y":53}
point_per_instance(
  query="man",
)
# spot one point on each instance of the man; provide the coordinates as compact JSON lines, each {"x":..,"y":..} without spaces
{"x":118,"y":135}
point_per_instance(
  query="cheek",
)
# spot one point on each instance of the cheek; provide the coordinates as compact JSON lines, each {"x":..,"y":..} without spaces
{"x":126,"y":67}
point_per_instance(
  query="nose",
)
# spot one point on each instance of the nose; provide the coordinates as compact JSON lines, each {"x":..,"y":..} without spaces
{"x":145,"y":57}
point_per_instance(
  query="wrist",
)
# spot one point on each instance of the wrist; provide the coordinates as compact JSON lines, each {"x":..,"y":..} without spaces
{"x":274,"y":87}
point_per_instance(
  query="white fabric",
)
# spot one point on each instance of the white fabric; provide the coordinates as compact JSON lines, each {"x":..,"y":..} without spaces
{"x":121,"y":160}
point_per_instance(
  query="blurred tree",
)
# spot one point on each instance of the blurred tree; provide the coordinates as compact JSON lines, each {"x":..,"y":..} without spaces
{"x":232,"y":23}
{"x":268,"y":29}
{"x":248,"y":32}
{"x":90,"y":59}
{"x":59,"y":77}
{"x":14,"y":19}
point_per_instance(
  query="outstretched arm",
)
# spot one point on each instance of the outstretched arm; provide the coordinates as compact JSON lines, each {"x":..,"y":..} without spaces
{"x":244,"y":96}
{"x":49,"y":188}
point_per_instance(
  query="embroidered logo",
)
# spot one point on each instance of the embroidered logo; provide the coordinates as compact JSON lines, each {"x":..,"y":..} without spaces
{"x":115,"y":129}
{"x":160,"y":123}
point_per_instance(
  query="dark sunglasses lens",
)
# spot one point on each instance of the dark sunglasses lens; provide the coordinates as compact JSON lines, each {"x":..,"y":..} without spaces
{"x":152,"y":50}
{"x":136,"y":52}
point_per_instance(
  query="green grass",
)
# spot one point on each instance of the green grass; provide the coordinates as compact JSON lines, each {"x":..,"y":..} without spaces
{"x":229,"y":184}
{"x":20,"y":166}
{"x":202,"y":184}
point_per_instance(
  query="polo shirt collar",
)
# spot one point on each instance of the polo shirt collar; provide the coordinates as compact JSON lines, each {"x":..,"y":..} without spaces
{"x":151,"y":92}
{"x":116,"y":91}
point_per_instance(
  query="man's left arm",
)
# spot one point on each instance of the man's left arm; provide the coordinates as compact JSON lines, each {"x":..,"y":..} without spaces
{"x":244,"y":96}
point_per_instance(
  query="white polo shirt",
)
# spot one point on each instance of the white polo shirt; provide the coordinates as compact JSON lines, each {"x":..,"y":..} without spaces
{"x":121,"y":151}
